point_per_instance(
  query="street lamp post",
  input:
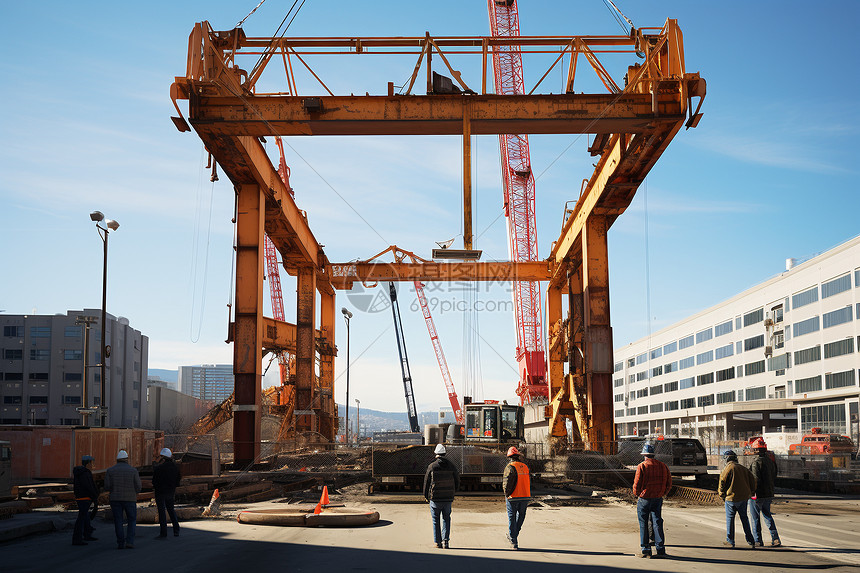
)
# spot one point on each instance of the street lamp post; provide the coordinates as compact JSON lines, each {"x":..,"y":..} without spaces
{"x":110,"y":225}
{"x":346,"y":316}
{"x":357,"y":422}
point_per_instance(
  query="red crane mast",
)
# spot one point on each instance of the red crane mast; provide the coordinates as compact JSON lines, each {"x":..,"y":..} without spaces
{"x":440,"y":355}
{"x":519,"y":200}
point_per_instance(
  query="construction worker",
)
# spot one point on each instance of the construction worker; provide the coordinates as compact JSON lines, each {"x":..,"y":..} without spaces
{"x":123,"y":483}
{"x":764,"y":471}
{"x":736,"y":486}
{"x":441,"y":482}
{"x":165,"y":480}
{"x":86,"y":493}
{"x":517,"y":484}
{"x":651,"y":483}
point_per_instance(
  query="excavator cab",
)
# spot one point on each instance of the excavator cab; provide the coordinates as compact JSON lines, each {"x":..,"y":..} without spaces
{"x":491,"y":422}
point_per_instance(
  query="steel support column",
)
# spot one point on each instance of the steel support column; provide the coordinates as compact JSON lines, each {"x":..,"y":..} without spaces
{"x":575,"y":381}
{"x":305,"y":351}
{"x":327,"y":412}
{"x":248,"y":330}
{"x":558,"y":341}
{"x":467,"y":177}
{"x":598,"y":332}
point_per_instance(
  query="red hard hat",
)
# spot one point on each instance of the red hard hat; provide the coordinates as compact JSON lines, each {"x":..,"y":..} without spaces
{"x":759,"y":443}
{"x":512,"y":451}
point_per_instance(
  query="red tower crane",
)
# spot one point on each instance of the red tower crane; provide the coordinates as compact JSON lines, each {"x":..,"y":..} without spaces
{"x":519,"y":200}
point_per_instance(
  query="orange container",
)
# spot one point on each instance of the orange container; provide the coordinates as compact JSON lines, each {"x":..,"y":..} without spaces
{"x":50,"y":452}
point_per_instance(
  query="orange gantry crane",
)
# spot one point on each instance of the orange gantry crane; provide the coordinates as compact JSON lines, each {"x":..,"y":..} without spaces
{"x":648,"y":102}
{"x":519,"y":200}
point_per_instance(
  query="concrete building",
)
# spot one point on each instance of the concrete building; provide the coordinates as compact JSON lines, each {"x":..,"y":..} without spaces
{"x":157,"y":381}
{"x":782,"y":355}
{"x":172,"y":411}
{"x":207,"y":381}
{"x":42,"y":369}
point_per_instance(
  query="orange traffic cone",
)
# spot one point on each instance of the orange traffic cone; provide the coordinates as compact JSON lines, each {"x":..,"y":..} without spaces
{"x":323,"y":501}
{"x":214,"y":507}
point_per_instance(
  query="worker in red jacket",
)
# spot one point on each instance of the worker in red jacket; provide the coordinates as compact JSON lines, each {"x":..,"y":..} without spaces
{"x":517,"y":484}
{"x":651,"y":483}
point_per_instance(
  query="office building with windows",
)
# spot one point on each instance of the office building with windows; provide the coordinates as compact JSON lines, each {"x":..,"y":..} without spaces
{"x":207,"y":381}
{"x":42,"y":366}
{"x":782,"y":355}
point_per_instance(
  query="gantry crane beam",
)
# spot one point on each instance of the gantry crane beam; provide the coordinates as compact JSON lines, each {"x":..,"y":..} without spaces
{"x":343,"y":275}
{"x":279,"y":335}
{"x":228,"y":115}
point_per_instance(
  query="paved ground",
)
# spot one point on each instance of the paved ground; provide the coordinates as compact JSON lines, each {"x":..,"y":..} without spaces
{"x":819,"y":533}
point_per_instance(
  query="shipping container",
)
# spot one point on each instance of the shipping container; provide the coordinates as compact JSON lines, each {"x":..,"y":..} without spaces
{"x":50,"y":452}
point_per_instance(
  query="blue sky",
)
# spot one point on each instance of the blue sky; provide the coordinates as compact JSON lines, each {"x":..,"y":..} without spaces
{"x":770,"y":173}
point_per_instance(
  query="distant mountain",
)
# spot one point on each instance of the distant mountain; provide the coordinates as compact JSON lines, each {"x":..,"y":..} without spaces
{"x":166,"y":375}
{"x":377,"y":421}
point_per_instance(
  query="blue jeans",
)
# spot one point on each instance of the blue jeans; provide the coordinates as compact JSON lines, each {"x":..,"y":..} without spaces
{"x":164,"y":504}
{"x":739,"y":507}
{"x":130,"y":509}
{"x":516,"y":516}
{"x":651,"y":510}
{"x":82,"y":524}
{"x":759,"y":507}
{"x":441,"y":509}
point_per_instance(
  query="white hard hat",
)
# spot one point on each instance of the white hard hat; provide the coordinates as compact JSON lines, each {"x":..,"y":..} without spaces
{"x":166,"y":453}
{"x":122,"y":455}
{"x":440,"y":450}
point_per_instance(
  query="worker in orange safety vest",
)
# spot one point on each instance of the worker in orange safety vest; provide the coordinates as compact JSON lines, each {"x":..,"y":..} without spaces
{"x":517,"y":484}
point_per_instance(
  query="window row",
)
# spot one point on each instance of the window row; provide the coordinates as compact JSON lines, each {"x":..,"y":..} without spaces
{"x":757,"y":393}
{"x":831,"y":380}
{"x":801,"y":328}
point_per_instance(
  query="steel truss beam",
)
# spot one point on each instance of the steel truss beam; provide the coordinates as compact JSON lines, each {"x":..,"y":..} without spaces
{"x":344,"y":275}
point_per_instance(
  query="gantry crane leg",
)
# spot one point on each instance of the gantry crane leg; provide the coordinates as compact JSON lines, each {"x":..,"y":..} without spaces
{"x":597,"y":334}
{"x":248,"y":329}
{"x":324,"y":403}
{"x":584,"y":341}
{"x":305,"y":314}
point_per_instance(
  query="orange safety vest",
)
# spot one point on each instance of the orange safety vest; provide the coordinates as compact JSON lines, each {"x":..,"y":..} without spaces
{"x":523,"y":487}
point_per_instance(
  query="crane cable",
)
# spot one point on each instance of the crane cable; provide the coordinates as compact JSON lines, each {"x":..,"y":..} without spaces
{"x":275,"y":35}
{"x":242,"y":21}
{"x":619,"y":12}
{"x":647,"y":278}
{"x":195,"y":257}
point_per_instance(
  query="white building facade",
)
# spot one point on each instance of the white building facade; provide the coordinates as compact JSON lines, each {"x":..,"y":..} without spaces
{"x":781,"y":356}
{"x":207,"y":381}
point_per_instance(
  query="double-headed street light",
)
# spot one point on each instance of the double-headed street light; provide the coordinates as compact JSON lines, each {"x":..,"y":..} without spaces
{"x":346,"y":316}
{"x":110,"y":225}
